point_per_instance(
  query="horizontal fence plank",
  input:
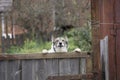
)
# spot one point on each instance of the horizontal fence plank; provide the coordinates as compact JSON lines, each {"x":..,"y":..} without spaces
{"x":72,"y":77}
{"x":44,"y":56}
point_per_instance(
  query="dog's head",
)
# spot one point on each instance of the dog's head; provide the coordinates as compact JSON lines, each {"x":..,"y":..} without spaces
{"x":60,"y":44}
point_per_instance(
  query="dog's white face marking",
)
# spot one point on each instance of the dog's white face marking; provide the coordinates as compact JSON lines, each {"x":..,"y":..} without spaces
{"x":60,"y":44}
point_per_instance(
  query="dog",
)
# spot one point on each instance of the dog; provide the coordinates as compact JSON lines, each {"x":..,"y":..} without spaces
{"x":59,"y":44}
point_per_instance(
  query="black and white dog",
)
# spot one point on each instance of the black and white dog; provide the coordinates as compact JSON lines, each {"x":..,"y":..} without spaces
{"x":59,"y":44}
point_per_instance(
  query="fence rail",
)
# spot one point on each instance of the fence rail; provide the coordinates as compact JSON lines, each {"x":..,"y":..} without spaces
{"x":44,"y":66}
{"x":44,"y":56}
{"x":72,"y":77}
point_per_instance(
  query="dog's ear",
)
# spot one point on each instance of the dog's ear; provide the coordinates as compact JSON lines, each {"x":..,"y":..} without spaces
{"x":52,"y":38}
{"x":66,"y":38}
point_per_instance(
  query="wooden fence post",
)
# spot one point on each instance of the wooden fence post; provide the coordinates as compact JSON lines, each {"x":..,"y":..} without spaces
{"x":104,"y":57}
{"x":0,"y":35}
{"x":95,"y":16}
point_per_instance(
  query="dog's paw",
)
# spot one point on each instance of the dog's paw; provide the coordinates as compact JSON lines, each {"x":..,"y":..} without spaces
{"x":44,"y":51}
{"x":78,"y":50}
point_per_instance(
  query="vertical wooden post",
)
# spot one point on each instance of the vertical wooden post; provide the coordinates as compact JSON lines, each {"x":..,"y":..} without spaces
{"x":95,"y":11}
{"x":107,"y":21}
{"x":103,"y":12}
{"x":104,"y":57}
{"x":0,"y":34}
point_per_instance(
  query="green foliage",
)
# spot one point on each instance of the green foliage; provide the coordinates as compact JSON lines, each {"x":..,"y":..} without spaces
{"x":13,"y":50}
{"x":80,"y":38}
{"x":30,"y":46}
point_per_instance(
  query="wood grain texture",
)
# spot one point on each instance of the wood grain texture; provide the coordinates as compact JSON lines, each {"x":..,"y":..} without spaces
{"x":88,"y":76}
{"x":27,"y":70}
{"x":13,"y":70}
{"x":64,"y":67}
{"x":44,"y":56}
{"x":83,"y":66}
{"x":3,"y":70}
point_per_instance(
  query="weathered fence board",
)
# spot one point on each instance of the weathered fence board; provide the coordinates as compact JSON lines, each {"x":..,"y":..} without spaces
{"x":3,"y":70}
{"x":13,"y":72}
{"x":74,"y":65}
{"x":88,"y":76}
{"x":64,"y":66}
{"x":83,"y":66}
{"x":104,"y":57}
{"x":40,"y":68}
{"x":9,"y":70}
{"x":69,"y":66}
{"x":44,"y":56}
{"x":27,"y":70}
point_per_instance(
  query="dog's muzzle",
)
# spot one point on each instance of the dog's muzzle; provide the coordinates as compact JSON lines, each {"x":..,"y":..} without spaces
{"x":60,"y":45}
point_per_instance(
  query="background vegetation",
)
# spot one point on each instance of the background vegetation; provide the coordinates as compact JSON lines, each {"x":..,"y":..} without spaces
{"x":77,"y":37}
{"x":40,"y":19}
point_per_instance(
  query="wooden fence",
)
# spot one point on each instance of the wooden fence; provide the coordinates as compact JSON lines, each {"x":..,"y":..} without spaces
{"x":58,"y":66}
{"x":104,"y":57}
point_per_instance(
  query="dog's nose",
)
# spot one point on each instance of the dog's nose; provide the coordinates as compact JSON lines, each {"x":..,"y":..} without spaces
{"x":60,"y":43}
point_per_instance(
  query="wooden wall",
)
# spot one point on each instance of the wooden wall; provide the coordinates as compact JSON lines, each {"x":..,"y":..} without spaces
{"x":106,"y":15}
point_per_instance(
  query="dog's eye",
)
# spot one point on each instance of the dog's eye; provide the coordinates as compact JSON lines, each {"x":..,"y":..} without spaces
{"x":57,"y":40}
{"x":53,"y":43}
{"x":63,"y":40}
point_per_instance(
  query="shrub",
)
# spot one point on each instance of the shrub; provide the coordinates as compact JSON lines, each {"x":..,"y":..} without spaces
{"x":80,"y":37}
{"x":30,"y":46}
